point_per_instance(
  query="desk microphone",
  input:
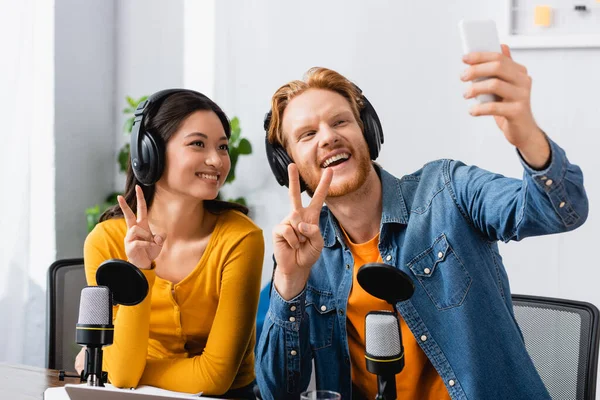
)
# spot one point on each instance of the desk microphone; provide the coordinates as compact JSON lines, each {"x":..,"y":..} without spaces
{"x":119,"y":282}
{"x":94,"y":330}
{"x":384,"y":352}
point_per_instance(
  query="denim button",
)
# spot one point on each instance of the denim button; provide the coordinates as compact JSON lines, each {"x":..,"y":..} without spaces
{"x":388,"y":258}
{"x":549,"y":182}
{"x":562,"y":204}
{"x":423,"y":338}
{"x":323,"y":308}
{"x":426,"y":270}
{"x":293,"y":308}
{"x":440,"y":254}
{"x":292,"y":319}
{"x":293,"y":352}
{"x":451,"y":382}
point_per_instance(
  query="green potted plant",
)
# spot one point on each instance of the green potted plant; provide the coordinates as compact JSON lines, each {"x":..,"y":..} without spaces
{"x":237,"y":146}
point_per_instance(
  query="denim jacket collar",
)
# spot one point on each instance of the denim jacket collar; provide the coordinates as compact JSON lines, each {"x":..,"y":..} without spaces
{"x":393,"y":209}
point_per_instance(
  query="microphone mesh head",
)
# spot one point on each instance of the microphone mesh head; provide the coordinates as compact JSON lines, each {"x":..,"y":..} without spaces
{"x":382,"y":334}
{"x":95,"y":306}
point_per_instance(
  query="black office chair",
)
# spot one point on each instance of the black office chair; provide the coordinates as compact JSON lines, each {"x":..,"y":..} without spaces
{"x":66,"y":278}
{"x":561,"y":337}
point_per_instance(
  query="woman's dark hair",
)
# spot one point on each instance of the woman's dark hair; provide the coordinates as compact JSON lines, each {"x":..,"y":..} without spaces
{"x":162,"y":123}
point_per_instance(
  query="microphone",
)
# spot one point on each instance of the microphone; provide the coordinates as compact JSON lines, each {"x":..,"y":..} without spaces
{"x":384,"y":353}
{"x":119,"y":282}
{"x":94,"y":330}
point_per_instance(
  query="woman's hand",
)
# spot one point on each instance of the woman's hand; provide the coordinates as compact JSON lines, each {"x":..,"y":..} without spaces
{"x":141,"y":246}
{"x":80,"y":361}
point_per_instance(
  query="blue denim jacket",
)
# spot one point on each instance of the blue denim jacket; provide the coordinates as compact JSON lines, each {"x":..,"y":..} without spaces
{"x":441,"y":226}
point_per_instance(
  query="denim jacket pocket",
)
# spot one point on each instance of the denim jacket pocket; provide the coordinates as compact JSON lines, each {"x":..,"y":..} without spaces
{"x":441,"y":273}
{"x":320,"y":306}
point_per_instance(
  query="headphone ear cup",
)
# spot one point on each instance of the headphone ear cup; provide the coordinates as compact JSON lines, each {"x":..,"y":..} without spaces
{"x":152,"y":160}
{"x":373,"y":131}
{"x":279,"y":160}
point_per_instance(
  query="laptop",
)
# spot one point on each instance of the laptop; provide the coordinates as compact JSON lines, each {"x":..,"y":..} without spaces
{"x":85,"y":392}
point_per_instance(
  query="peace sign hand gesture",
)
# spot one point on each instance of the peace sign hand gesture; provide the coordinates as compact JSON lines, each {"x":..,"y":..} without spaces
{"x":297,"y":240}
{"x":141,"y":246}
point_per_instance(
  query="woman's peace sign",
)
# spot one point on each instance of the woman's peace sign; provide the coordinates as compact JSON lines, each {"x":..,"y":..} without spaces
{"x":141,"y":246}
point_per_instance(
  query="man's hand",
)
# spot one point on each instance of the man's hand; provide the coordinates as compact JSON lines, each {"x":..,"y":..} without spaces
{"x":513,"y":115}
{"x":297,"y":240}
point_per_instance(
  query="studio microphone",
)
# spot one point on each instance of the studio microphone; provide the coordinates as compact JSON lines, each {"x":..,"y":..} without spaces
{"x":384,"y":353}
{"x":94,"y":330}
{"x":119,"y":282}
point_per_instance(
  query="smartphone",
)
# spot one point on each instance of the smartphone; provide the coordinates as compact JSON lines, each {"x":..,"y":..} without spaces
{"x":480,"y":36}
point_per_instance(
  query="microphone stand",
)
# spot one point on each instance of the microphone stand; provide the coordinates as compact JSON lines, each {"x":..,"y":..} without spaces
{"x":93,"y":364}
{"x":92,"y":373}
{"x":385,"y":391}
{"x":62,"y":374}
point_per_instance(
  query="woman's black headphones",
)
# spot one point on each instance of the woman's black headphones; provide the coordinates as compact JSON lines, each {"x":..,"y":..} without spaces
{"x":147,"y":150}
{"x":279,"y":159}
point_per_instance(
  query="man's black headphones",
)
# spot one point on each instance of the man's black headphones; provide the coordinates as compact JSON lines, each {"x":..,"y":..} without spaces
{"x":147,"y":150}
{"x":279,"y":159}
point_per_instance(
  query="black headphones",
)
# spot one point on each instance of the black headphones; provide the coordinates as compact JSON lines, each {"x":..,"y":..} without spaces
{"x":279,"y":159}
{"x":147,"y":150}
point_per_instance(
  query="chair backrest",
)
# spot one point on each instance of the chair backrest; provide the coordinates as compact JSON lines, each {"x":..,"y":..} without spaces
{"x":561,"y":337}
{"x":66,"y":278}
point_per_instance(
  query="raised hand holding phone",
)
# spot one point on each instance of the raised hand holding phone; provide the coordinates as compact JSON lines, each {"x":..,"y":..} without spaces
{"x":297,"y":240}
{"x":503,"y":89}
{"x":480,"y":36}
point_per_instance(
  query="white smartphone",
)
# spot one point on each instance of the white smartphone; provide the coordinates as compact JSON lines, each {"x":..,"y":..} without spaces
{"x":480,"y":36}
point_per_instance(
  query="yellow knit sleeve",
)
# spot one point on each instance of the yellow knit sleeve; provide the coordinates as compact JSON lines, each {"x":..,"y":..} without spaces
{"x":125,"y":359}
{"x":232,"y":331}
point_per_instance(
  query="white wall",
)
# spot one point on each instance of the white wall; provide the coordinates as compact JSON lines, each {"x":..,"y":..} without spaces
{"x":27,"y":231}
{"x":149,"y":57}
{"x":406,"y":56}
{"x":105,"y":50}
{"x":84,"y":128}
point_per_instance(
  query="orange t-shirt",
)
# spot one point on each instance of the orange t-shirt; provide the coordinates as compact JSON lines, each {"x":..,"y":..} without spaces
{"x":418,"y":379}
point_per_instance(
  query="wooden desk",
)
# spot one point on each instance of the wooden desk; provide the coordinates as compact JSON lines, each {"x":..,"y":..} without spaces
{"x":22,"y":382}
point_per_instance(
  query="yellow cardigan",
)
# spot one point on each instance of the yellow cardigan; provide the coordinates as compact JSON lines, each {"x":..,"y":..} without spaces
{"x":196,"y":335}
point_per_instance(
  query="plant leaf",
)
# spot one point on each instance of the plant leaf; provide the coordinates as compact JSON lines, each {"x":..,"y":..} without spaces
{"x":244,"y":147}
{"x":132,"y":102}
{"x":92,"y":215}
{"x":112,"y":198}
{"x":239,"y":200}
{"x":230,"y":177}
{"x":235,"y":130}
{"x":123,"y":158}
{"x":128,"y":125}
{"x":235,"y":124}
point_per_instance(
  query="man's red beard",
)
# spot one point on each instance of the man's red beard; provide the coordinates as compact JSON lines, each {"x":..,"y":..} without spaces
{"x":348,"y":186}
